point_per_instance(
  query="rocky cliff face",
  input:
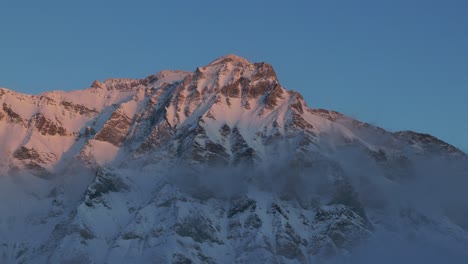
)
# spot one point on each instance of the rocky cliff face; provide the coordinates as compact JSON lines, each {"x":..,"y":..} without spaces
{"x":219,"y":165}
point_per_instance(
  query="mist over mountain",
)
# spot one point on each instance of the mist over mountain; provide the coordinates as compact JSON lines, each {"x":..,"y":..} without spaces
{"x":219,"y":165}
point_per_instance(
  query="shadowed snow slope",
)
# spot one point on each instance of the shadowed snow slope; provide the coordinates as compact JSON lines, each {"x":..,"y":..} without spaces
{"x":219,"y":165}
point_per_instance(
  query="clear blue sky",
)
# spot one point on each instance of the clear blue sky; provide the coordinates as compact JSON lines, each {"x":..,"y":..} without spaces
{"x":400,"y":64}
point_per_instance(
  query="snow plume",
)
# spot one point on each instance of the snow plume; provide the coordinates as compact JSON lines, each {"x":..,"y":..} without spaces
{"x":411,"y":212}
{"x":390,"y":247}
{"x":296,"y":184}
{"x":282,"y":179}
{"x":416,"y":216}
{"x":433,"y":186}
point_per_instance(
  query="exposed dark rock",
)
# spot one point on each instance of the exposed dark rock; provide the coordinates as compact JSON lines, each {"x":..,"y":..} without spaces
{"x":264,"y":71}
{"x":77,"y":108}
{"x":344,"y":226}
{"x":115,"y":130}
{"x":225,"y":130}
{"x":199,"y":228}
{"x":180,"y":259}
{"x":243,"y":154}
{"x":46,"y":100}
{"x":230,"y":59}
{"x":240,"y":206}
{"x":328,"y":114}
{"x":89,"y":132}
{"x":271,"y":100}
{"x":275,"y":208}
{"x":428,"y":142}
{"x":260,"y":88}
{"x":47,"y":127}
{"x":38,"y":171}
{"x":34,"y":161}
{"x":130,"y":236}
{"x":288,"y":244}
{"x":86,"y":234}
{"x":299,"y":123}
{"x":193,"y":99}
{"x":120,"y":84}
{"x":159,"y":135}
{"x":297,"y":104}
{"x":216,"y":153}
{"x":253,"y":222}
{"x":209,"y":114}
{"x":105,"y":182}
{"x":13,"y":117}
{"x":24,"y":153}
{"x":234,"y":229}
{"x":232,"y":90}
{"x":97,"y":85}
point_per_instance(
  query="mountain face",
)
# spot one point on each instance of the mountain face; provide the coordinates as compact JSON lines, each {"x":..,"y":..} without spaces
{"x":219,"y":165}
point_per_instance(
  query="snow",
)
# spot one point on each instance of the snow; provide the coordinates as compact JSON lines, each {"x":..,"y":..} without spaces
{"x":169,"y":77}
{"x":147,"y":196}
{"x":231,"y":57}
{"x":102,"y":152}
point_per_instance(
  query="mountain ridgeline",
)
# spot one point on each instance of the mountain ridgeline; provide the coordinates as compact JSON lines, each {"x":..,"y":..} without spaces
{"x":219,"y":165}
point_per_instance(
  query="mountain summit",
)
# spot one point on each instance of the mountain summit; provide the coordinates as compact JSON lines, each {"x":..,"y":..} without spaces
{"x":230,"y":58}
{"x":219,"y":165}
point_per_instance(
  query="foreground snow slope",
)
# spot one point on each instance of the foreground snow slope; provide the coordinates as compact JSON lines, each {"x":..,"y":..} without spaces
{"x":220,"y":165}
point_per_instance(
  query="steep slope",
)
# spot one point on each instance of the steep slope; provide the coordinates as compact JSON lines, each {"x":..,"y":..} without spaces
{"x":226,"y":111}
{"x":218,"y":165}
{"x":44,"y":131}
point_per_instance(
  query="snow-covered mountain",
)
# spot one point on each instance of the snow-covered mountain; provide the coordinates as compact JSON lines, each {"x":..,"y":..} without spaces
{"x":220,"y":165}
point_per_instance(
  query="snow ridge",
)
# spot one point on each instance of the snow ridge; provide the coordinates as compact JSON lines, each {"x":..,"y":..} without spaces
{"x":222,"y":164}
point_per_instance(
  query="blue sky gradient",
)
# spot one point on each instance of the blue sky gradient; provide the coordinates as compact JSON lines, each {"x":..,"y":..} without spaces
{"x":398,"y":64}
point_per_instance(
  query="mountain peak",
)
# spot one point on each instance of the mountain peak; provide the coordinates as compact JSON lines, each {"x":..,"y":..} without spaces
{"x":181,"y":166}
{"x":230,"y":58}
